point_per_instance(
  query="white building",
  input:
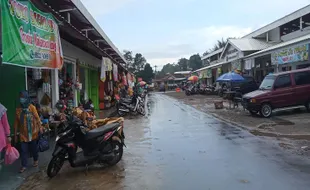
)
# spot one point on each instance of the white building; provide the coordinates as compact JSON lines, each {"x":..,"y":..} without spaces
{"x":279,"y":46}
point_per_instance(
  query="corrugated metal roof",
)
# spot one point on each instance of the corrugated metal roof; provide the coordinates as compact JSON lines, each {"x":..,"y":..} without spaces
{"x":182,"y":72}
{"x":79,"y":5}
{"x":280,"y":45}
{"x":250,"y":44}
{"x":295,"y":15}
{"x":211,"y":66}
{"x":212,"y":53}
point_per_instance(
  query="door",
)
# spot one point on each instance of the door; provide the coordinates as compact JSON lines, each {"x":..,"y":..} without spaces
{"x":283,"y":93}
{"x":302,"y":87}
{"x":94,"y":87}
{"x":12,"y":81}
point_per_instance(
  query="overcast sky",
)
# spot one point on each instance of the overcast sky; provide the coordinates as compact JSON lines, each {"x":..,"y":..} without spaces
{"x":166,"y":30}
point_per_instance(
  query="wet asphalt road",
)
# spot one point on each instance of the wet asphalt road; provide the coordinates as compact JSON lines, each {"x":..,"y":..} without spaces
{"x":178,"y":147}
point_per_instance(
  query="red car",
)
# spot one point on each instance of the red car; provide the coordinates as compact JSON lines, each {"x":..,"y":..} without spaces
{"x":280,"y":90}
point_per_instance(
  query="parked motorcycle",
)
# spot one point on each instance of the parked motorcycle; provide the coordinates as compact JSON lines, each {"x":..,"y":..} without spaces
{"x":103,"y":145}
{"x":191,"y":90}
{"x":210,"y":89}
{"x":134,"y":105}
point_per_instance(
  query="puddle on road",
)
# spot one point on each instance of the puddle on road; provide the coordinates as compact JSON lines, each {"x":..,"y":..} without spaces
{"x":166,"y":153}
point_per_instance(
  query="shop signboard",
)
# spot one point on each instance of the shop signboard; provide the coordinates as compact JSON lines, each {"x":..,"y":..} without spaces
{"x":30,"y":37}
{"x":209,"y":73}
{"x":291,"y":54}
{"x":236,"y":65}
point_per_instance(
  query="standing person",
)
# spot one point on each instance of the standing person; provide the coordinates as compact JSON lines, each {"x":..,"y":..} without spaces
{"x":4,"y":132}
{"x":28,"y":124}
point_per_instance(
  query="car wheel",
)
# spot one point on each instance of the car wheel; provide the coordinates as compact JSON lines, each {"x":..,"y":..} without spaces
{"x":308,"y":106}
{"x":266,"y":110}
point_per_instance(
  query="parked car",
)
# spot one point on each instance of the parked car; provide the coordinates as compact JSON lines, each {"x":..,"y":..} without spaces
{"x":248,"y":85}
{"x":280,"y":90}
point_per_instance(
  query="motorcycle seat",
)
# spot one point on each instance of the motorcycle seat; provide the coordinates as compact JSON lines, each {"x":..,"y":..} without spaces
{"x":102,"y":130}
{"x":126,"y":100}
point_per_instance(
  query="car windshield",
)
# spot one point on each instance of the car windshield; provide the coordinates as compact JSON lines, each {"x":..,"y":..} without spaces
{"x":267,"y":83}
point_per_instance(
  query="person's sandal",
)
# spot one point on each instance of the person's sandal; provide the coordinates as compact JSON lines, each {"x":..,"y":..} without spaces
{"x":35,"y":164}
{"x":22,"y":170}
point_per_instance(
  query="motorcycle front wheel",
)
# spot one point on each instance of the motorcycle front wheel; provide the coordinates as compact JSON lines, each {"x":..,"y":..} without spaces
{"x":55,"y":165}
{"x":119,"y":112}
{"x":118,"y":153}
{"x":141,"y":110}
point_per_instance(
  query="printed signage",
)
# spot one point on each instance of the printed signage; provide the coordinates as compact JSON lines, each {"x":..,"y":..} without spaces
{"x":291,"y":54}
{"x":232,"y":54}
{"x":30,"y":37}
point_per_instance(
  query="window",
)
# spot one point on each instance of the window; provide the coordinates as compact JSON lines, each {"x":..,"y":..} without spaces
{"x":283,"y":82}
{"x":267,"y":83}
{"x":302,"y":78}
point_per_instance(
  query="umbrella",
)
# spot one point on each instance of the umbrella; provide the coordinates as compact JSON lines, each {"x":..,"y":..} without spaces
{"x":193,"y":78}
{"x":232,"y":76}
{"x":142,"y":83}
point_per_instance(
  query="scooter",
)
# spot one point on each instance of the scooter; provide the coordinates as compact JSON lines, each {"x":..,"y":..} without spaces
{"x":191,"y":91}
{"x":134,"y":105}
{"x":103,"y":145}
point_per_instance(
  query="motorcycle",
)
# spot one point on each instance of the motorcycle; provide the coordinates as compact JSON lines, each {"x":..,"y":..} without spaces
{"x":103,"y":145}
{"x":191,"y":91}
{"x":210,"y":89}
{"x":134,"y":105}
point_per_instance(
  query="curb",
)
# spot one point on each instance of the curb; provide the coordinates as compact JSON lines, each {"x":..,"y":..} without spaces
{"x":258,"y":132}
{"x":255,"y":132}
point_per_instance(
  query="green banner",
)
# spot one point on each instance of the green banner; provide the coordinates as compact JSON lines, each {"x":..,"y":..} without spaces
{"x":30,"y":37}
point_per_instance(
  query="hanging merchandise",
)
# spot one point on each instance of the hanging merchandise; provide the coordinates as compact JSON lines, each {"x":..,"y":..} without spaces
{"x":103,"y":70}
{"x":108,"y":63}
{"x":134,"y":78}
{"x":129,"y":78}
{"x":46,"y":100}
{"x":115,"y":72}
{"x":36,"y":74}
{"x":110,"y":75}
{"x":47,"y":88}
{"x":219,"y":70}
{"x":125,"y":80}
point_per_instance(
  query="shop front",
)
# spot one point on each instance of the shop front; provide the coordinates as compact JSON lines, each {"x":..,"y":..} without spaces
{"x":31,"y":55}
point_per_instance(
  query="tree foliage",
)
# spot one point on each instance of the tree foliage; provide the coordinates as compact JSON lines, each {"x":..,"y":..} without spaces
{"x":147,"y":73}
{"x":138,"y":65}
{"x":183,"y":64}
{"x":195,"y":62}
{"x":134,"y":63}
{"x":168,"y":68}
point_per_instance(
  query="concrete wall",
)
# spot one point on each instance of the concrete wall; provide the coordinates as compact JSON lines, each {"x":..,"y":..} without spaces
{"x":274,"y":35}
{"x":73,"y":52}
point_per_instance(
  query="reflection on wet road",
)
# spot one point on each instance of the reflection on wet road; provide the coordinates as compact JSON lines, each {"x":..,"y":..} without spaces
{"x":178,"y":147}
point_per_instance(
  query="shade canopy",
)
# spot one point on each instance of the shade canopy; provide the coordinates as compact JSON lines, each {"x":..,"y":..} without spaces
{"x":231,"y":76}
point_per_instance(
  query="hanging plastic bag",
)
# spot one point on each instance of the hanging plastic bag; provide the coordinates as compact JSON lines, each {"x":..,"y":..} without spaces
{"x":11,"y":155}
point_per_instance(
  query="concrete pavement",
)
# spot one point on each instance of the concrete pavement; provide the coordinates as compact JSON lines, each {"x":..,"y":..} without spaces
{"x":179,"y":147}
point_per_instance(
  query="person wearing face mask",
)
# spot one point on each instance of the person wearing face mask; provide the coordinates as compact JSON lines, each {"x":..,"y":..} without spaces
{"x":28,"y":124}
